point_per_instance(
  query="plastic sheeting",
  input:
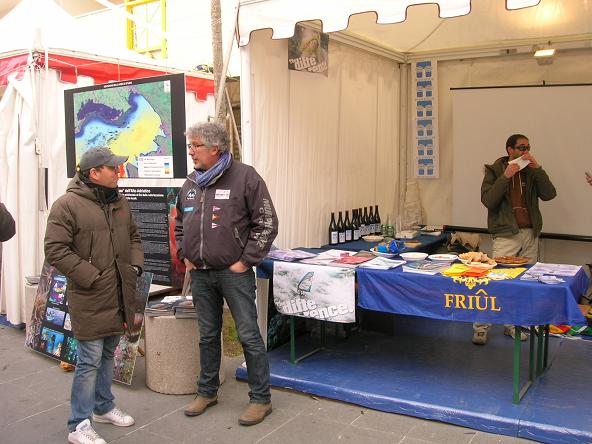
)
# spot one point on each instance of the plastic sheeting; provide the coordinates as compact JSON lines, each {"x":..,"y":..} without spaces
{"x":430,"y":369}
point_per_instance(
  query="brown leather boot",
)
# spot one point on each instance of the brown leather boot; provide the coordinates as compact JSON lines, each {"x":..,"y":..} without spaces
{"x":254,"y":414}
{"x":199,"y":405}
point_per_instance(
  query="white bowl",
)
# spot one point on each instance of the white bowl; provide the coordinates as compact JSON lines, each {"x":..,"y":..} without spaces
{"x":413,"y":256}
{"x":381,"y":254}
{"x":373,"y":238}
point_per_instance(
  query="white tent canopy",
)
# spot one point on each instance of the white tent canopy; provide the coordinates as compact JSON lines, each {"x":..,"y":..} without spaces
{"x":328,"y":143}
{"x":32,"y":136}
{"x":429,"y":25}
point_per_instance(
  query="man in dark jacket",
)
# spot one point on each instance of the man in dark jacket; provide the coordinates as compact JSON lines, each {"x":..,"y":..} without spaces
{"x":511,"y":190}
{"x":7,"y":228}
{"x":225,"y":225}
{"x":92,"y":239}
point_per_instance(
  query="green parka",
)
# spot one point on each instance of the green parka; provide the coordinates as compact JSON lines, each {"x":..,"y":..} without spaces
{"x":495,"y":195}
{"x":95,"y":246}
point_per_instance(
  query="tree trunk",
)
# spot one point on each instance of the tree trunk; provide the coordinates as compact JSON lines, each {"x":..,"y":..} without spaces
{"x":217,"y":52}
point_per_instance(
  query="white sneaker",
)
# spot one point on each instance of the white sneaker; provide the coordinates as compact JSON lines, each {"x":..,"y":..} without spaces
{"x":116,"y":417}
{"x":85,"y":434}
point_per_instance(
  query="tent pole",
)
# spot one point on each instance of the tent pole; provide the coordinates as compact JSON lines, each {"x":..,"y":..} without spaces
{"x":403,"y":135}
{"x":222,"y":84}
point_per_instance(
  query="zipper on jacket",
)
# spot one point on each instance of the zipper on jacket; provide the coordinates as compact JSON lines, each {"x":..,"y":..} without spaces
{"x":238,"y":238}
{"x":201,"y":228}
{"x":90,"y":247}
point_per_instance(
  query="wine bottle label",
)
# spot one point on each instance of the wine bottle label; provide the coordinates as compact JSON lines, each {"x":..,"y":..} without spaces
{"x":341,"y":237}
{"x":334,"y":238}
{"x":348,"y":235}
{"x":356,"y":235}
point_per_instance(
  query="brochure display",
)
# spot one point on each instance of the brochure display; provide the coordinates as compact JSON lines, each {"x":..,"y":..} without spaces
{"x":50,"y":330}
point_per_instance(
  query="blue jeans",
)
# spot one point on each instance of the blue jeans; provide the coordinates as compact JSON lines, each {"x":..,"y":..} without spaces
{"x":91,"y":388}
{"x":209,"y":288}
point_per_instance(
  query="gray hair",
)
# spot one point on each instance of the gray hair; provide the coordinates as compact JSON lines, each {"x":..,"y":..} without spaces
{"x":211,"y":134}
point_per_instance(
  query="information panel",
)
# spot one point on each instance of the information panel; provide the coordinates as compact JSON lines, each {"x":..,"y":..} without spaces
{"x":153,"y":209}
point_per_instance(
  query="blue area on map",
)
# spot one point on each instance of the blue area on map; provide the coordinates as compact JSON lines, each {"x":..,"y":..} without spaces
{"x":99,"y":129}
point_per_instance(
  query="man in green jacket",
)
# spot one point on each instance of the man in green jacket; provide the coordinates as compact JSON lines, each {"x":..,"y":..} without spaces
{"x":511,"y":190}
{"x":93,"y":240}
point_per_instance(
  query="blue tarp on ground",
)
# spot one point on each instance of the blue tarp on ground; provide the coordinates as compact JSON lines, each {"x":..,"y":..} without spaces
{"x":430,"y":369}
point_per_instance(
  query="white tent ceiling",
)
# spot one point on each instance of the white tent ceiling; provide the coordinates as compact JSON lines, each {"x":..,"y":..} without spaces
{"x":490,"y":23}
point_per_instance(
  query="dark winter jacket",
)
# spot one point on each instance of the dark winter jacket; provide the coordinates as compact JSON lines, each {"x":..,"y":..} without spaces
{"x":95,"y":246}
{"x":230,"y":220}
{"x":495,"y":195}
{"x":7,"y":228}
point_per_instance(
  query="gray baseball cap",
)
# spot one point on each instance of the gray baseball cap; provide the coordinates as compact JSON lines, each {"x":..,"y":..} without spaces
{"x":99,"y":156}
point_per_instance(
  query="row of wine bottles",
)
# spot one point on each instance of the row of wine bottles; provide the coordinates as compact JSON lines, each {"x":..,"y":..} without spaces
{"x":361,"y":224}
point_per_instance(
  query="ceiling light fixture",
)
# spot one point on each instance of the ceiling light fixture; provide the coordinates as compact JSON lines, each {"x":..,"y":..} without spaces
{"x":545,"y":52}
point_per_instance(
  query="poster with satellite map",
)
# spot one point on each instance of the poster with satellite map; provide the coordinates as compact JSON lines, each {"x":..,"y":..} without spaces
{"x":143,"y":119}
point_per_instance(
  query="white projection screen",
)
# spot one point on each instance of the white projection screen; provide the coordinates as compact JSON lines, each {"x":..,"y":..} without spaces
{"x":558,"y":122}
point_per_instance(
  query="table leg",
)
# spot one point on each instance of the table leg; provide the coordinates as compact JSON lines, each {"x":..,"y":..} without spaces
{"x":293,"y":358}
{"x":540,"y":346}
{"x":516,"y":395}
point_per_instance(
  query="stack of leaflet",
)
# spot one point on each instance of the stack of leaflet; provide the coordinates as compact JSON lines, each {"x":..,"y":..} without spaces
{"x":549,"y":273}
{"x":289,"y":255}
{"x":425,"y":267}
{"x":382,"y":263}
{"x":351,"y":261}
{"x":184,"y":309}
{"x":326,"y":257}
{"x":166,"y":306}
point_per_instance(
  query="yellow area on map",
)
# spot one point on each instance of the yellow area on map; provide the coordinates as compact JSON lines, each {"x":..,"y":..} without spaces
{"x":140,"y":137}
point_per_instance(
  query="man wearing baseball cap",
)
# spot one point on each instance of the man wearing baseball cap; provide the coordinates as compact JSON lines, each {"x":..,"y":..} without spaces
{"x":93,"y":240}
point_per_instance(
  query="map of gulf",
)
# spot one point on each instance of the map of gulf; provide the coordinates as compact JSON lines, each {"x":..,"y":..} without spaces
{"x":133,"y":121}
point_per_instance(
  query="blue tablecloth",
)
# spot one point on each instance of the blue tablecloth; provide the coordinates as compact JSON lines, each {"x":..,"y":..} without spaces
{"x":498,"y":302}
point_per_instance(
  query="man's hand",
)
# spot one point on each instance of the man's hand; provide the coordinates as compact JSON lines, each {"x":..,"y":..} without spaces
{"x":238,"y":267}
{"x":511,"y":169}
{"x":533,"y":162}
{"x":189,"y":265}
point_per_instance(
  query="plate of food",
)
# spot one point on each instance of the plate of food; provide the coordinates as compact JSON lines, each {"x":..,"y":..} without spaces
{"x":381,"y":254}
{"x":477,"y":259}
{"x":373,"y":238}
{"x":443,"y":257}
{"x":511,"y":261}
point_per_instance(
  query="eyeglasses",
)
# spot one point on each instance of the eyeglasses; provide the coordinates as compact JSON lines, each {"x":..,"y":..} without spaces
{"x":522,"y":148}
{"x":194,"y":146}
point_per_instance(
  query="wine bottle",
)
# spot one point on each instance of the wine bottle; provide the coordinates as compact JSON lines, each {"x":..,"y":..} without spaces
{"x":333,"y":233}
{"x":348,"y":227}
{"x":372,"y":229}
{"x":377,"y":221}
{"x":340,"y":229}
{"x":366,"y":230}
{"x":355,"y":225}
{"x":362,"y":222}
